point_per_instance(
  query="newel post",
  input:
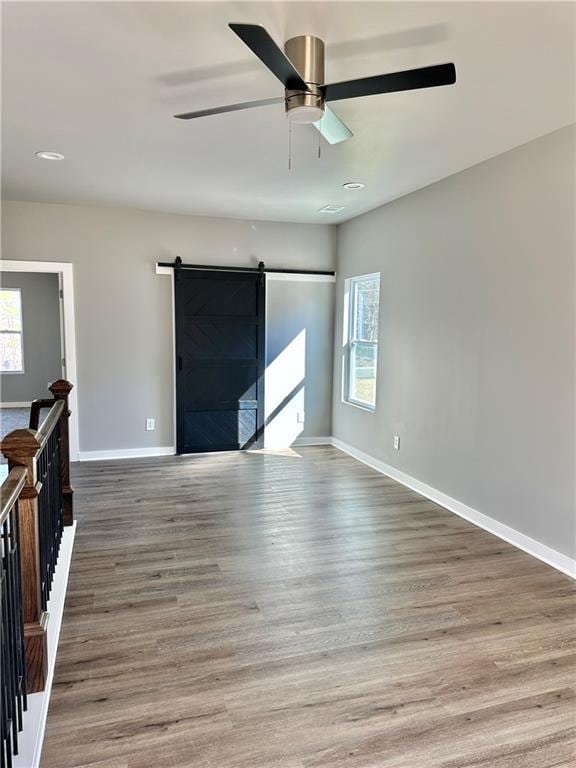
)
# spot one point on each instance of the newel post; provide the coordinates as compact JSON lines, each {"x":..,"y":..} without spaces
{"x":60,"y":391}
{"x":20,"y":448}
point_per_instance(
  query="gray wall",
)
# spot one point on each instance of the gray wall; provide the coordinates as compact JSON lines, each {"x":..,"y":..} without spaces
{"x":476,"y":354}
{"x":123,"y":309}
{"x":41,"y":339}
{"x":299,"y":361}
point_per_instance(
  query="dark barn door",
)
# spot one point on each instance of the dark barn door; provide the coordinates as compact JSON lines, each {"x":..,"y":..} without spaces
{"x":220,"y":323}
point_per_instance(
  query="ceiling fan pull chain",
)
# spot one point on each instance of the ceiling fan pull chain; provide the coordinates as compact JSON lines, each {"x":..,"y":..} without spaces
{"x":320,"y":138}
{"x":289,"y":145}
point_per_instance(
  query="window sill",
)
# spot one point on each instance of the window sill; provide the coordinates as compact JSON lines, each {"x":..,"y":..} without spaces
{"x":361,"y":406}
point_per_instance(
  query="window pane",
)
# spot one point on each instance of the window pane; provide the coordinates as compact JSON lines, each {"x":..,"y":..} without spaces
{"x":363,"y":372}
{"x":365,"y":304}
{"x":11,"y":352}
{"x":364,"y":297}
{"x":10,"y":310}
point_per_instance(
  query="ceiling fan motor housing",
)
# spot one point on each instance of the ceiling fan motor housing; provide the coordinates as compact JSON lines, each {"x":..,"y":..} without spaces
{"x":307,"y":54}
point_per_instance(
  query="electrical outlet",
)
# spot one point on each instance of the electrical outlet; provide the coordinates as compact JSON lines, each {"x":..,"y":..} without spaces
{"x":300,"y":417}
{"x":150,"y":425}
{"x":396,"y":442}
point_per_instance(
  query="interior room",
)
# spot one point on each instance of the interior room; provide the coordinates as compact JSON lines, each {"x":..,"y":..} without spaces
{"x":26,"y":372}
{"x":287,"y":384}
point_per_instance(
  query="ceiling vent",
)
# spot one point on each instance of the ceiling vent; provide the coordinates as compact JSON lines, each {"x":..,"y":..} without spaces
{"x":331,"y":209}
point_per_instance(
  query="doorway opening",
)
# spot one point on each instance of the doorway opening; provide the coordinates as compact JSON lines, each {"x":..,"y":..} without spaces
{"x":39,"y":339}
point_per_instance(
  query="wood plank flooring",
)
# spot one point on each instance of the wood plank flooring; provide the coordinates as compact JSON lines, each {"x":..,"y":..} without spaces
{"x":299,"y":610}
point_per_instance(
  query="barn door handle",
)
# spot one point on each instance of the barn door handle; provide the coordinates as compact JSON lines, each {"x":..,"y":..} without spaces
{"x":179,"y":362}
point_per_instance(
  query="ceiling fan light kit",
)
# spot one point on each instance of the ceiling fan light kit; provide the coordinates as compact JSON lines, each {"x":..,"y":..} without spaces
{"x":307,"y":54}
{"x":300,"y":69}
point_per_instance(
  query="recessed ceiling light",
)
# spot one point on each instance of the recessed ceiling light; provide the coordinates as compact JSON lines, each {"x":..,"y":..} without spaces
{"x":353,"y":185}
{"x":331,"y":209}
{"x":50,"y":155}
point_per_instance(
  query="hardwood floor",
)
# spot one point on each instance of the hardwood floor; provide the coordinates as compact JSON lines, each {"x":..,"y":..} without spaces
{"x":299,"y":610}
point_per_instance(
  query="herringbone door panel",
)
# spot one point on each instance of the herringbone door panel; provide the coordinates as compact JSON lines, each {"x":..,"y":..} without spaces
{"x":220,"y":324}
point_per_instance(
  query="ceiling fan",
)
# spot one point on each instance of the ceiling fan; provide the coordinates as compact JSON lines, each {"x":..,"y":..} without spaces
{"x":300,"y":69}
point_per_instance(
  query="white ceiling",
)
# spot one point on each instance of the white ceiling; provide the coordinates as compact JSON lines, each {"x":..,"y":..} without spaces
{"x":99,"y":82}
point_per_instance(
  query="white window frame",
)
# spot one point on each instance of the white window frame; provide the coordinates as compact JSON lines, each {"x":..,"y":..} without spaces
{"x":20,"y":371}
{"x":349,"y":341}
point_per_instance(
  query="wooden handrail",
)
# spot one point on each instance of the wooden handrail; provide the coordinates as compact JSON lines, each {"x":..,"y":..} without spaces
{"x":21,"y":448}
{"x":10,"y":490}
{"x":39,"y":480}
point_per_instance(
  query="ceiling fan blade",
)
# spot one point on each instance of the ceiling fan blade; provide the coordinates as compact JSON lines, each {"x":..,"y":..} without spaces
{"x":425,"y":77}
{"x":260,"y":43}
{"x":332,"y":128}
{"x":231,"y":108}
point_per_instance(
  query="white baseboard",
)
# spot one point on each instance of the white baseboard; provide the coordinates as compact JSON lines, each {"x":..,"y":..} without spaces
{"x":139,"y":453}
{"x":32,"y":736}
{"x":303,"y":441}
{"x":16,"y":405}
{"x":127,"y":453}
{"x":548,"y":555}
